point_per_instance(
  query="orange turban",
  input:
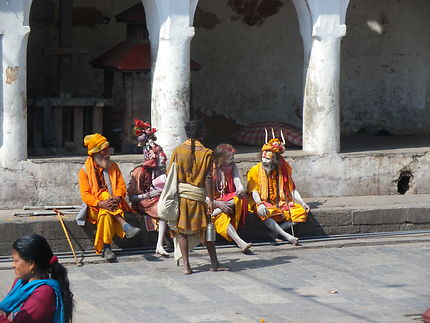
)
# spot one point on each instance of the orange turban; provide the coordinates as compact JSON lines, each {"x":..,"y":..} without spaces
{"x":95,"y":143}
{"x":274,"y":145}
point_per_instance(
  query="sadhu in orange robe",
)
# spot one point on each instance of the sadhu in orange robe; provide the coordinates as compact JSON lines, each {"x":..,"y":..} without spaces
{"x":225,"y":190}
{"x":93,"y":188}
{"x":275,"y":192}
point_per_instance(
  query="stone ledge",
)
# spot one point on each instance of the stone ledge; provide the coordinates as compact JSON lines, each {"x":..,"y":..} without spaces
{"x":333,"y":220}
{"x":379,"y":216}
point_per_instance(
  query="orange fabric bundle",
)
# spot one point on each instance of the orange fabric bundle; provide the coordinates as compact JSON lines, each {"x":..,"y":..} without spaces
{"x":95,"y":143}
{"x":274,"y":145}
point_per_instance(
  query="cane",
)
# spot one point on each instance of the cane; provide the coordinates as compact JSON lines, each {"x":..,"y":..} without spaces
{"x":59,"y":214}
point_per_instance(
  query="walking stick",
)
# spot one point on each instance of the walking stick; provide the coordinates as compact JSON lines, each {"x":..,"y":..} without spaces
{"x":292,"y":228}
{"x":59,"y":214}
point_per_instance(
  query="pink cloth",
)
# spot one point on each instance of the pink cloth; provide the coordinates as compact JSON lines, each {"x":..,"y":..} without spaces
{"x":159,"y":182}
{"x":140,"y":183}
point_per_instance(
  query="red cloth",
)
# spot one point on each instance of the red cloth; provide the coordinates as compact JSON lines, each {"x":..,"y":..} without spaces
{"x":230,"y":191}
{"x":254,"y":134}
{"x":141,"y":182}
{"x":38,"y":308}
{"x":426,"y":316}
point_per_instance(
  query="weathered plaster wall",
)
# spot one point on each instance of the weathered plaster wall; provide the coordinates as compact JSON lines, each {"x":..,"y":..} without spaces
{"x":252,"y":58}
{"x":385,"y":67}
{"x":253,"y":69}
{"x":54,"y":181}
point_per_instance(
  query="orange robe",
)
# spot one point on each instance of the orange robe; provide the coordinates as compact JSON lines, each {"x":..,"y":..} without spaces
{"x":192,"y":218}
{"x":227,"y":193}
{"x":93,"y":190}
{"x":279,"y":203}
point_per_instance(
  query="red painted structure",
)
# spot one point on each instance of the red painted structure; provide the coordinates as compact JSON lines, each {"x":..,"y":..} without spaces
{"x":133,"y":54}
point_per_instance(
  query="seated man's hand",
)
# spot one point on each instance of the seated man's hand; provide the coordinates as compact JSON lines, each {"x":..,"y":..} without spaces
{"x":106,"y":204}
{"x":306,"y":207}
{"x":154,"y":193}
{"x":262,"y":210}
{"x":210,"y":209}
{"x":225,"y":208}
{"x":115,"y":200}
{"x":240,"y":193}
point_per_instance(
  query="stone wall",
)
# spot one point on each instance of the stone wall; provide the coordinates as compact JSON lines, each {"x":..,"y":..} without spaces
{"x":385,"y":67}
{"x":55,"y":181}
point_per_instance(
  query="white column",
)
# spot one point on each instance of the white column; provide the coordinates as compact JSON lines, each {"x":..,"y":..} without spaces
{"x":305,"y":25}
{"x":153,"y":26}
{"x":13,"y":24}
{"x":171,"y":75}
{"x":321,"y":129}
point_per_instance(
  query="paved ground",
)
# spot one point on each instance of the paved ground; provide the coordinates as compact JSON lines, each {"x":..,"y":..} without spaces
{"x":376,"y":280}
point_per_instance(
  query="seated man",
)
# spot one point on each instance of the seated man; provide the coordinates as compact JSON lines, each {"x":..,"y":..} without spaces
{"x":147,"y":181}
{"x":230,"y":203}
{"x":103,"y":190}
{"x":274,"y":195}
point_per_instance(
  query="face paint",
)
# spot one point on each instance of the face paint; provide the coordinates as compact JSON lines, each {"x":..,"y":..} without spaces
{"x":266,"y":158}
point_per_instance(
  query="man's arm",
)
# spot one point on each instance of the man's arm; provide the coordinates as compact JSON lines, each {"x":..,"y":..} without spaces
{"x":261,"y":208}
{"x":237,"y":182}
{"x":296,"y":196}
{"x":209,"y":189}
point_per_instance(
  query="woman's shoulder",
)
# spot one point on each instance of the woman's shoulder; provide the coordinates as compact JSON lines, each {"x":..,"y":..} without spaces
{"x":45,"y":289}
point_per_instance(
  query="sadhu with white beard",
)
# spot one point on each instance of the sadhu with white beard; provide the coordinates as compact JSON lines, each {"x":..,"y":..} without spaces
{"x":275,"y":198}
{"x":103,"y":190}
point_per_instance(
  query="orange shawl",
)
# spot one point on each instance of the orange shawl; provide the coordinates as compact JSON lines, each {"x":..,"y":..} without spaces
{"x":285,"y":181}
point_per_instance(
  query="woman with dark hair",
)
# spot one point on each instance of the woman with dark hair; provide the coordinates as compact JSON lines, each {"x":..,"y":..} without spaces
{"x":194,"y":168}
{"x":40,"y":292}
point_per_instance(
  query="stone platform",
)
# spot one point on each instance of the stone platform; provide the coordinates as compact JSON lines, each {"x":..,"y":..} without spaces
{"x":330,"y":216}
{"x":368,"y":165}
{"x":363,"y":184}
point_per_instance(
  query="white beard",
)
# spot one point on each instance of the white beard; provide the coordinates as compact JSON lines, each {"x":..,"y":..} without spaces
{"x":104,"y":163}
{"x":268,"y":168}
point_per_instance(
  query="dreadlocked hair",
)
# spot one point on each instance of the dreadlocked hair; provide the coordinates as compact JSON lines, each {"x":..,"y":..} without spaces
{"x":194,"y":131}
{"x":222,"y":152}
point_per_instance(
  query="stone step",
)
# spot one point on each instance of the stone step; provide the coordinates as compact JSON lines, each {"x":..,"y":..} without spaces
{"x":329,"y":216}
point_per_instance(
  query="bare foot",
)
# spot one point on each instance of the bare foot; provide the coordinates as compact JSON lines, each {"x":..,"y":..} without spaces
{"x":294,"y":241}
{"x":187,"y":271}
{"x":219,"y":268}
{"x":162,"y":252}
{"x":246,"y":247}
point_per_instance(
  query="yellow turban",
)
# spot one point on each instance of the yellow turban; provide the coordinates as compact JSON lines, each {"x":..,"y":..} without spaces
{"x":274,"y":145}
{"x":95,"y":143}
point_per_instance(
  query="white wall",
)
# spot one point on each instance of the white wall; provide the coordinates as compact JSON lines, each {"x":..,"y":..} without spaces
{"x":249,"y":73}
{"x":385,"y":76}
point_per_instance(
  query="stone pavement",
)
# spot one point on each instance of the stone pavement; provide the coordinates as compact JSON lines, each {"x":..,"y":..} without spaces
{"x":380,"y":279}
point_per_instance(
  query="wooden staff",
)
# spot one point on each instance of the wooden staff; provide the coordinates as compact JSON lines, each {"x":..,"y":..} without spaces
{"x":59,"y":214}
